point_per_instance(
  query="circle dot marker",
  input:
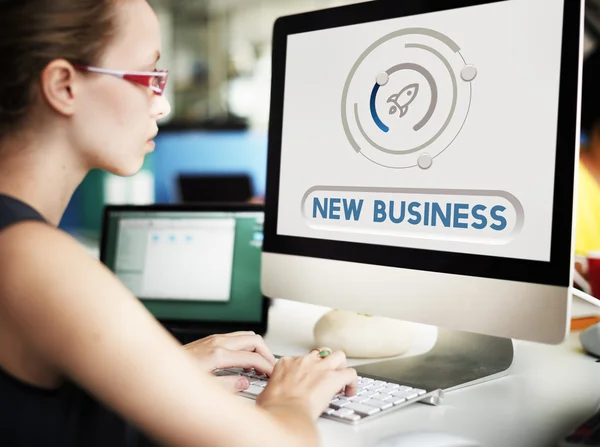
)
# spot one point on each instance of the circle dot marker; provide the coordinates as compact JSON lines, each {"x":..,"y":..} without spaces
{"x":468,"y":73}
{"x":425,"y":161}
{"x":382,"y":78}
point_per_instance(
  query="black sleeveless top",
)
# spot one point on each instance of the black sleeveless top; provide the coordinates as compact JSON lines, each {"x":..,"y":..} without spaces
{"x":66,"y":416}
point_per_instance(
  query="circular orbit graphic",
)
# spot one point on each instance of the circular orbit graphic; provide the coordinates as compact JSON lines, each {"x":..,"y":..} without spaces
{"x":432,"y":92}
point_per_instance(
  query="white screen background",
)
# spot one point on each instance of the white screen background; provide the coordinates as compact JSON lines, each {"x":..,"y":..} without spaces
{"x":508,"y":142}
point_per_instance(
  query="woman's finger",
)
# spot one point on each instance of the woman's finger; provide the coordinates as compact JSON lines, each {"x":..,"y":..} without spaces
{"x":320,"y":353}
{"x":235,"y":334}
{"x":248,"y":343}
{"x":234,"y":383}
{"x":336,"y":360}
{"x":225,"y":358}
{"x":347,"y":378}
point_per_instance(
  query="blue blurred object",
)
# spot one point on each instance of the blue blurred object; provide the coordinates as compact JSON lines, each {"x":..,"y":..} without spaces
{"x":72,"y":217}
{"x":207,"y":152}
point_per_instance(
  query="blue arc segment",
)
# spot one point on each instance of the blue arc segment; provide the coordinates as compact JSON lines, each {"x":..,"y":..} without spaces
{"x":374,"y":111}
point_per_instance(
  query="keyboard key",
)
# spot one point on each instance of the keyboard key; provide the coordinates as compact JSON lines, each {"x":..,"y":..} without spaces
{"x":225,"y":372}
{"x":352,"y":417}
{"x":389,"y":389}
{"x":369,"y":393}
{"x":362,"y":409}
{"x":382,"y":405}
{"x":359,"y":399}
{"x":407,"y":394}
{"x":342,"y":412}
{"x":398,"y":400}
{"x":254,"y":390}
{"x":339,"y":403}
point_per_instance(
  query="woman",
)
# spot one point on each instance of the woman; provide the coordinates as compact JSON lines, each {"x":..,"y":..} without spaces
{"x":72,"y":370}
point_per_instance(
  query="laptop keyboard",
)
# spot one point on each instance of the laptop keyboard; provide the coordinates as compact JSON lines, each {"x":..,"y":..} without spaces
{"x":373,"y":398}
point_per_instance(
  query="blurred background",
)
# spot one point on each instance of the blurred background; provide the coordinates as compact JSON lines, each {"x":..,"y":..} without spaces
{"x":213,"y":145}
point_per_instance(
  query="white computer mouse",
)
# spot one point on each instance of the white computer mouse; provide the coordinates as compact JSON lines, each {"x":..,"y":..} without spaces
{"x":590,"y":340}
{"x":426,"y":439}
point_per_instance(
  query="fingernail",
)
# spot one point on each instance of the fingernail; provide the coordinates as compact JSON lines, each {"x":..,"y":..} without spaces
{"x":242,"y":384}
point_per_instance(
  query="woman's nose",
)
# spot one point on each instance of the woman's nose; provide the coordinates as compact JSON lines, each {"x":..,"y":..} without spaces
{"x":160,"y":107}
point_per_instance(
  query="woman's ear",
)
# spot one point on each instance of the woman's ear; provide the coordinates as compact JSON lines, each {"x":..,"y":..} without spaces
{"x":58,"y":86}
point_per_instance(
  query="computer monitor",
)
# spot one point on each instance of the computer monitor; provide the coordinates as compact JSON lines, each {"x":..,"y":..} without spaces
{"x":195,"y":267}
{"x":421,"y":162}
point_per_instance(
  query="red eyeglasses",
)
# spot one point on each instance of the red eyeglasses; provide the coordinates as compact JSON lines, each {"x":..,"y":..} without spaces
{"x":154,"y":80}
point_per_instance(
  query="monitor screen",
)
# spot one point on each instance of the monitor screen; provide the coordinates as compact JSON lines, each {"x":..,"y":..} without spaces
{"x":447,"y":135}
{"x":189,"y":265}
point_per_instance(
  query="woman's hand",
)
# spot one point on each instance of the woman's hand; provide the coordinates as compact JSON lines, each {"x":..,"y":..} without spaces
{"x":236,"y":350}
{"x":310,"y":380}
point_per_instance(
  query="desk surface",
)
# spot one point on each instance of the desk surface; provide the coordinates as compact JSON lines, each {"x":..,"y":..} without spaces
{"x":548,"y":390}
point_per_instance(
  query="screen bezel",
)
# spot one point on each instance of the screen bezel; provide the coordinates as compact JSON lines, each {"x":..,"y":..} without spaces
{"x":193,"y":326}
{"x":555,"y":272}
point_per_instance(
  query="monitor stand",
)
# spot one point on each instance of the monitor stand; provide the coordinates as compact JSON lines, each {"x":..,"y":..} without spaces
{"x":458,"y":359}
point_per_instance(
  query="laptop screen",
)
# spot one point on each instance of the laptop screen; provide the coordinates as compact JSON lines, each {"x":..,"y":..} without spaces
{"x":189,"y":265}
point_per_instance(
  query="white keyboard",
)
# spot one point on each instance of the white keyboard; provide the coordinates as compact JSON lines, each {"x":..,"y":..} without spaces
{"x":373,"y":398}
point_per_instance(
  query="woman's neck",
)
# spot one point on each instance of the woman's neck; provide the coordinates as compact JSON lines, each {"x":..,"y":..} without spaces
{"x":43,"y":173}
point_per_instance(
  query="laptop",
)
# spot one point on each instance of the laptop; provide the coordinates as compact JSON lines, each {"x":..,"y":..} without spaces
{"x":195,"y":267}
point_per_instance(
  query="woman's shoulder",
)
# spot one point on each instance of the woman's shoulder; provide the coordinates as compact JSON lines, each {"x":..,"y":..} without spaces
{"x":37,"y":260}
{"x":33,"y":237}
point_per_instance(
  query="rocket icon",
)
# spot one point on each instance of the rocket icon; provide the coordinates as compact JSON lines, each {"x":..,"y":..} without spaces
{"x":401,"y":100}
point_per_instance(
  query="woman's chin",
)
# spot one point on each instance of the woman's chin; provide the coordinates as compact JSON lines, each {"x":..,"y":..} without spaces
{"x":126,"y":170}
